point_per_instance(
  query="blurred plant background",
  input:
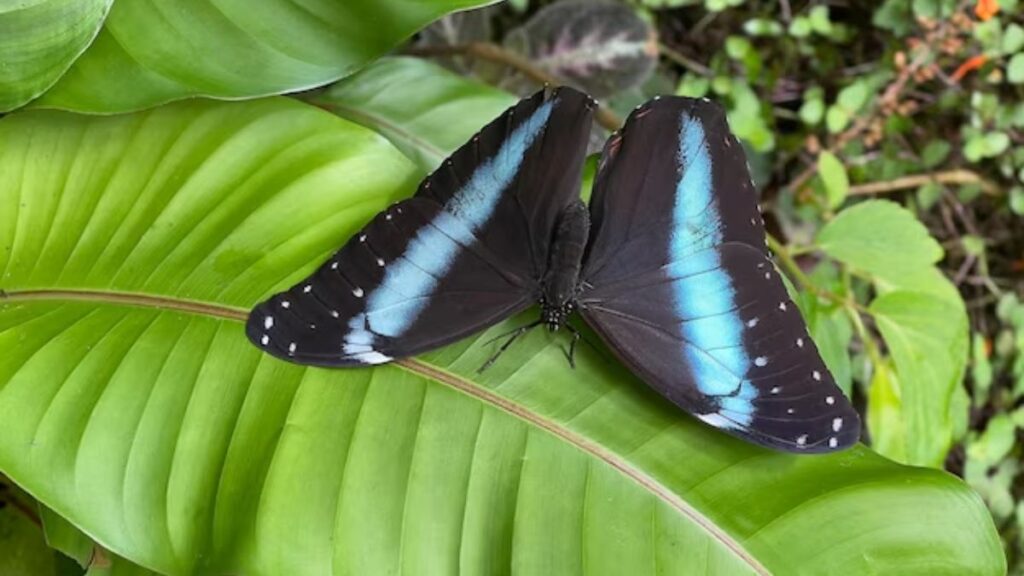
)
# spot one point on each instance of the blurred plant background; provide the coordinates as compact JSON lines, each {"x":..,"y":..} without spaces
{"x":886,"y":141}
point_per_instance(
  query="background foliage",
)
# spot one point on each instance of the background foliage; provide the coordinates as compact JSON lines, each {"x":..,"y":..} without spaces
{"x":884,"y":137}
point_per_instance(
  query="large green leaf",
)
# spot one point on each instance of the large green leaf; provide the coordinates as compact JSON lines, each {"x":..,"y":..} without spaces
{"x":132,"y":404}
{"x":39,"y":40}
{"x":426,"y":123}
{"x":154,"y":51}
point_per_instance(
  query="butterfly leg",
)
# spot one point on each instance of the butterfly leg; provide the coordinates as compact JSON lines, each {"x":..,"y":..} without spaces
{"x":512,"y":335}
{"x":571,"y":352}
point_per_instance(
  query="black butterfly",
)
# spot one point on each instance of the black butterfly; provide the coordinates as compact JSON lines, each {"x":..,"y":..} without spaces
{"x":669,"y":266}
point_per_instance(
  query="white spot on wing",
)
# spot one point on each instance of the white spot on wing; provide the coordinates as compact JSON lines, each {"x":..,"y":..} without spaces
{"x":760,"y":361}
{"x":307,"y":288}
{"x":717,"y":420}
{"x":782,"y":306}
{"x":334,"y":265}
{"x":790,"y":411}
{"x":268,"y":322}
{"x":291,"y":348}
{"x":286,"y":304}
{"x":372,"y":358}
{"x":837,"y":424}
{"x":362,"y":237}
{"x":334,"y":313}
{"x":380,"y":262}
{"x":265,"y":340}
{"x":816,"y":375}
{"x":776,"y":389}
{"x":801,"y":440}
{"x":800,"y":342}
{"x":358,"y":292}
{"x":830,"y":400}
{"x":752,"y":322}
{"x":833,"y":442}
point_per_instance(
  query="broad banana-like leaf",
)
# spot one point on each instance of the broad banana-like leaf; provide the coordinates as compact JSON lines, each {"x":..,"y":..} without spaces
{"x":132,"y":404}
{"x":155,"y":51}
{"x":39,"y":40}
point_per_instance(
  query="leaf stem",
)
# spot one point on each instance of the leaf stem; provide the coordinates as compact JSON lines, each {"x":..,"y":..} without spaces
{"x":784,"y":255}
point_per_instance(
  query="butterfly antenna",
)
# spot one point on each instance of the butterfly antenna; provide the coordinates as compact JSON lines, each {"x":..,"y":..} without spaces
{"x":512,"y":335}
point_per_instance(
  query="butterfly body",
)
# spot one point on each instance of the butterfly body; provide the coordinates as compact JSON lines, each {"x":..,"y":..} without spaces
{"x":667,"y":264}
{"x":561,"y":285}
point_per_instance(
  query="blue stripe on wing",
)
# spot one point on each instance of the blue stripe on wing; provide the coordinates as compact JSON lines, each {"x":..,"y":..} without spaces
{"x":402,"y":295}
{"x":707,"y":296}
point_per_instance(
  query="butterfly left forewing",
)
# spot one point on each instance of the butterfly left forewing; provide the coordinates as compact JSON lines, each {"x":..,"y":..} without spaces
{"x":678,"y":283}
{"x":469,"y":249}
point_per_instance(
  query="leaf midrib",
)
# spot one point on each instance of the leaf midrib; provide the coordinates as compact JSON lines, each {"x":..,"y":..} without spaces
{"x":425,"y":370}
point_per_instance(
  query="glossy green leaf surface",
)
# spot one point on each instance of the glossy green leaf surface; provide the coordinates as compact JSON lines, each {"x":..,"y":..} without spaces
{"x":427,"y":122}
{"x":155,"y":51}
{"x":39,"y":40}
{"x":132,"y":404}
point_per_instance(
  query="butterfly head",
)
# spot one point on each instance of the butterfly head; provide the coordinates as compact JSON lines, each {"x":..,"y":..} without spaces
{"x":555,"y":315}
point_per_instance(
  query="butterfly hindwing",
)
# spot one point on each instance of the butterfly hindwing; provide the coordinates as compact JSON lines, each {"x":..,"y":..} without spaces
{"x":468,"y":250}
{"x":678,"y":283}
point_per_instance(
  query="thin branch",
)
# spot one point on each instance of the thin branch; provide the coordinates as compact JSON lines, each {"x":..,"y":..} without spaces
{"x":684,"y":60}
{"x":494,"y":53}
{"x":957,"y":176}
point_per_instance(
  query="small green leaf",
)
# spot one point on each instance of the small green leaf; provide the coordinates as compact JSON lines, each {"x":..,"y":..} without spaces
{"x":894,"y":15}
{"x":800,"y":27}
{"x":996,"y":143}
{"x":996,"y":441}
{"x":854,"y":97}
{"x":819,"y":18}
{"x":927,"y":338}
{"x":1015,"y":69}
{"x":1017,"y":200}
{"x":935,"y":153}
{"x":836,"y":119}
{"x":1013,"y":38}
{"x":879,"y":237}
{"x":737,"y":47}
{"x":812,"y":111}
{"x":762,"y":27}
{"x":929,"y":194}
{"x":833,"y":174}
